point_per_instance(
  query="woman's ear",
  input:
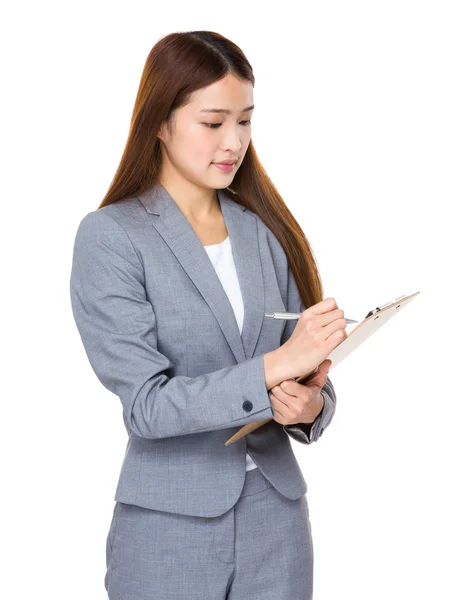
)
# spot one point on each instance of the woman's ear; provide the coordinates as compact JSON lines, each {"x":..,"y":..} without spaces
{"x":162,"y":133}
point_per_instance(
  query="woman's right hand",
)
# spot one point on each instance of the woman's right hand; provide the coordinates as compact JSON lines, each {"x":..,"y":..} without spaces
{"x":319,"y":329}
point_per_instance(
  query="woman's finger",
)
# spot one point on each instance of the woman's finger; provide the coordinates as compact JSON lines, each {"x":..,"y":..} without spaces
{"x":281,"y":396}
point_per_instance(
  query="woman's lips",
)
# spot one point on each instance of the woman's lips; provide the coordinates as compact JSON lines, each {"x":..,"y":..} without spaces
{"x":224,"y":167}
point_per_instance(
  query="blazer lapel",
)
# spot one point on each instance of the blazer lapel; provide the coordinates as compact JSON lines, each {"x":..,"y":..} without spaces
{"x":179,"y":235}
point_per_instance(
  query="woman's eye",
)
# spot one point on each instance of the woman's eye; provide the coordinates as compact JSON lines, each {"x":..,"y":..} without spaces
{"x":217,"y":125}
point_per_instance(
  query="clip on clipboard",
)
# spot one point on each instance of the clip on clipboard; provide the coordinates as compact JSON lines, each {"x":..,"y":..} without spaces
{"x":374,"y":320}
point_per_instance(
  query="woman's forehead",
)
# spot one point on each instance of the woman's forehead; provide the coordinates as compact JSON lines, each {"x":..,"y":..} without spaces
{"x":223,"y":97}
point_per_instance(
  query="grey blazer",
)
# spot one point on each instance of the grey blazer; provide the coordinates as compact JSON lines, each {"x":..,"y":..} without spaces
{"x":160,"y":333}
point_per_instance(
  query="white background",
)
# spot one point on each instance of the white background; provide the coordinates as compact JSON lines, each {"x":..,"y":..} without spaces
{"x":358,"y":122}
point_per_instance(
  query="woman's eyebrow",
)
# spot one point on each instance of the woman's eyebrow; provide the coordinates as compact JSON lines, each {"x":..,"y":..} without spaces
{"x":224,"y":110}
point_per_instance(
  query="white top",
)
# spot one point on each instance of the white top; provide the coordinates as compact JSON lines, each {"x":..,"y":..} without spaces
{"x":222,"y":260}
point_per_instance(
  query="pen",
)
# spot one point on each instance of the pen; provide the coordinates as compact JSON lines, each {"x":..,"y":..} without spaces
{"x":292,"y":315}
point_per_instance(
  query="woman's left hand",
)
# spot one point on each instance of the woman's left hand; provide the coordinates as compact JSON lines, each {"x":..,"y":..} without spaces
{"x":295,"y":402}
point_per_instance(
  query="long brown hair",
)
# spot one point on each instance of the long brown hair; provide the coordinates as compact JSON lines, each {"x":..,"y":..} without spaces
{"x":179,"y":64}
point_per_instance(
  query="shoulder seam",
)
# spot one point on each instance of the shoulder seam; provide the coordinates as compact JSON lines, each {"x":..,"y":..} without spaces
{"x":128,"y":237}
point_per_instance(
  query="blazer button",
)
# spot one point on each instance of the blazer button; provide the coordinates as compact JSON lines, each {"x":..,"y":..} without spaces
{"x":321,"y":431}
{"x":247,"y":405}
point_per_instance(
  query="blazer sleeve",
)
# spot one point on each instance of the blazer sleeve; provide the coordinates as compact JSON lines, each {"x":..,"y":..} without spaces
{"x":306,"y":433}
{"x":117,"y":325}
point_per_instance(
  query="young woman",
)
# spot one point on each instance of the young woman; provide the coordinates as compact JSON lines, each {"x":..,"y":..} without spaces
{"x":171,"y":278}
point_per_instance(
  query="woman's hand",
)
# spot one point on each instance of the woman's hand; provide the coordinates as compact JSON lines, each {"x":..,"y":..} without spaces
{"x":319,"y":329}
{"x":295,"y":402}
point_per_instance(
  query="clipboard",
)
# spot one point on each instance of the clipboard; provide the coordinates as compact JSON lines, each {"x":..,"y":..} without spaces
{"x":374,"y":320}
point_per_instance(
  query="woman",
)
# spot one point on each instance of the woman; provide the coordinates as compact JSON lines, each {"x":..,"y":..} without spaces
{"x":171,"y":277}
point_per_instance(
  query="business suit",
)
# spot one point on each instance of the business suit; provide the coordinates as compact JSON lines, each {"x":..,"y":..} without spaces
{"x":160,"y":333}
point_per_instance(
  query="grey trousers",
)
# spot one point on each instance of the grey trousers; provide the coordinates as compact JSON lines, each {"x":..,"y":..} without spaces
{"x":261,"y":549}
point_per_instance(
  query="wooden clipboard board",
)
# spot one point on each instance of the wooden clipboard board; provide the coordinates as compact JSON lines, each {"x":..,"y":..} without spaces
{"x":374,"y":320}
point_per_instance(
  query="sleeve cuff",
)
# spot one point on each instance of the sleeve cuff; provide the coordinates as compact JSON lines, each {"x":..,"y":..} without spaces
{"x":306,"y":433}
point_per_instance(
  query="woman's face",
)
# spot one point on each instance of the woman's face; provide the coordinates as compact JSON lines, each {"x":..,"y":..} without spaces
{"x":199,"y":138}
